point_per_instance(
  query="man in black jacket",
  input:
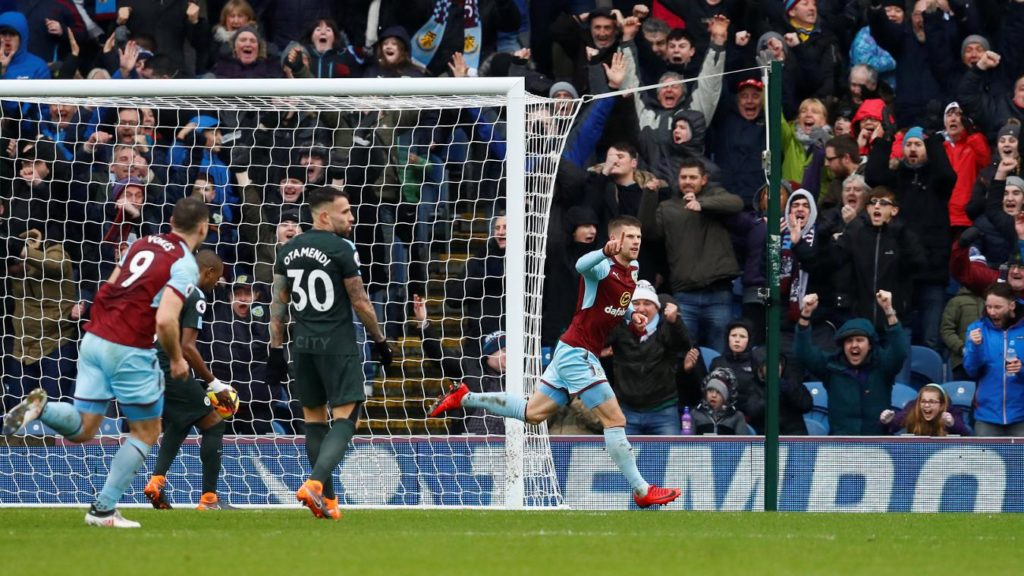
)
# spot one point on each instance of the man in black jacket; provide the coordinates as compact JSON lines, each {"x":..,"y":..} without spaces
{"x":645,"y":366}
{"x":923,"y":181}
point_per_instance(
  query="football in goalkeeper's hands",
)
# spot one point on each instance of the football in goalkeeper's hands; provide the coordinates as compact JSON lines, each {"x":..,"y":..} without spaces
{"x":225,"y":410}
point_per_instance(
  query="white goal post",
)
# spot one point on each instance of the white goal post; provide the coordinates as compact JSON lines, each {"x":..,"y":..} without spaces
{"x":529,"y":171}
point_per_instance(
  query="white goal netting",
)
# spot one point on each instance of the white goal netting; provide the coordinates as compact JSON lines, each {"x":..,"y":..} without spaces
{"x":81,"y":178}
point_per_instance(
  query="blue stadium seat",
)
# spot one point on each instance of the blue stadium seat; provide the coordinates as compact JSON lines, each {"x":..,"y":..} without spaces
{"x":36,"y":428}
{"x":110,"y":427}
{"x":902,"y":395}
{"x":960,"y":392}
{"x":708,"y":354}
{"x":817,"y":423}
{"x":817,"y":419}
{"x":926,"y":366}
{"x":818,"y":394}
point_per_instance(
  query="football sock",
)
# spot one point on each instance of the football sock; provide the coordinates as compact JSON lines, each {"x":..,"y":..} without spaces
{"x":333,"y":448}
{"x":622,"y":454}
{"x":315,"y":434}
{"x":210,"y":451}
{"x":497,"y":403}
{"x":129,"y":458}
{"x":63,"y":418}
{"x":170,"y":443}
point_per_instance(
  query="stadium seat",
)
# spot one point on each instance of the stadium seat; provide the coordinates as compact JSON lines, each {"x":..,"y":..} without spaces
{"x":817,"y":423}
{"x":708,"y":354}
{"x":902,"y":395}
{"x":926,"y":366}
{"x":818,"y":394}
{"x":817,"y":419}
{"x":960,"y":392}
{"x":110,"y":427}
{"x":36,"y":428}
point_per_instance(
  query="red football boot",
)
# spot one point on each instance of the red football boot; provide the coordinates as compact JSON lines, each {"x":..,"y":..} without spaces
{"x":656,"y":495}
{"x":450,"y":401}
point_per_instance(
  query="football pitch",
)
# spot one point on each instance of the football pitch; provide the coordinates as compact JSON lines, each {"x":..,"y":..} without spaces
{"x":291,"y":543}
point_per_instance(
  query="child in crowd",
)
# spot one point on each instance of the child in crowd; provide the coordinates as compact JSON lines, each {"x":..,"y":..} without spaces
{"x":927,"y":415}
{"x":717,"y":414}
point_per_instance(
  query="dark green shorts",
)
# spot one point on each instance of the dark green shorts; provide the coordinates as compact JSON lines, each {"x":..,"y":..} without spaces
{"x":333,"y":379}
{"x":185,"y":402}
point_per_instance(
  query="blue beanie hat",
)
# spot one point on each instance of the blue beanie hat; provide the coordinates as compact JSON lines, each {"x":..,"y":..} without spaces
{"x":915,"y":132}
{"x":788,"y":5}
{"x":493,"y":342}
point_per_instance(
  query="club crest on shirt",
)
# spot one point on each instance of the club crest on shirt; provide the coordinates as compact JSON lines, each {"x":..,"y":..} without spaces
{"x":625,"y":299}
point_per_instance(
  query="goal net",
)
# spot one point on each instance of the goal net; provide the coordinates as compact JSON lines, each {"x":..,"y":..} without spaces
{"x":450,"y":183}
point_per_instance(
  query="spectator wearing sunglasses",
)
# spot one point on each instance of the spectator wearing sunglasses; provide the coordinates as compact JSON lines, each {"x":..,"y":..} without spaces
{"x":878,"y":252}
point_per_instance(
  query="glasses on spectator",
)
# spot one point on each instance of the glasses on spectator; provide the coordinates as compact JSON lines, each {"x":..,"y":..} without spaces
{"x":831,"y":158}
{"x":929,"y":401}
{"x":880,"y":202}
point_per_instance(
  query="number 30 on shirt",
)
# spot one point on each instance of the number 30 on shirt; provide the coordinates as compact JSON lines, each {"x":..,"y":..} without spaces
{"x":317,"y":291}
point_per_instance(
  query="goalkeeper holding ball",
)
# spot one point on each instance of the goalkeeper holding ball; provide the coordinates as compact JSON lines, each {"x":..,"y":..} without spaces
{"x":188,"y":403}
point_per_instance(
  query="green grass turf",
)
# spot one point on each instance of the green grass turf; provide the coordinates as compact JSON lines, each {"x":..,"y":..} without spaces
{"x":292,"y":543}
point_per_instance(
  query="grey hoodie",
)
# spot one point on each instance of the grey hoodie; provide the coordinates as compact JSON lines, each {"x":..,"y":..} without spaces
{"x":809,"y":225}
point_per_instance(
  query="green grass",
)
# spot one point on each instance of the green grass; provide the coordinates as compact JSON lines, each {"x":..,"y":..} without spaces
{"x":292,"y":543}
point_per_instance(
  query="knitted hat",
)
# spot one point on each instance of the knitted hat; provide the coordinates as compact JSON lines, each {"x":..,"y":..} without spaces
{"x":787,"y":5}
{"x":249,"y":28}
{"x":951,"y":106}
{"x":644,"y":291}
{"x":563,"y":86}
{"x":493,"y":342}
{"x":915,"y":132}
{"x":290,"y":215}
{"x":1011,"y":128}
{"x":718,"y":386}
{"x":397,"y":32}
{"x":974,"y":39}
{"x":1015,"y":181}
{"x":975,"y":255}
{"x":722,"y":380}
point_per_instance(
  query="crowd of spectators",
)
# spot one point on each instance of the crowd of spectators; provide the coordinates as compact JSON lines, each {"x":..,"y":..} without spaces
{"x":901,"y":174}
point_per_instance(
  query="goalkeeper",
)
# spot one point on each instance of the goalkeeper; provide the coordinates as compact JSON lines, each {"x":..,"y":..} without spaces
{"x":185,"y":401}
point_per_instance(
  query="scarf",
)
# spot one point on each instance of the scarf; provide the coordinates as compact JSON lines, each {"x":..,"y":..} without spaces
{"x":791,"y":278}
{"x":427,"y":39}
{"x":803,"y":33}
{"x":652,"y":325}
{"x":816,"y":137}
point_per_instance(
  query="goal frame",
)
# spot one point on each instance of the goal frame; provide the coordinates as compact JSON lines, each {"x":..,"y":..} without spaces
{"x":513,"y":89}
